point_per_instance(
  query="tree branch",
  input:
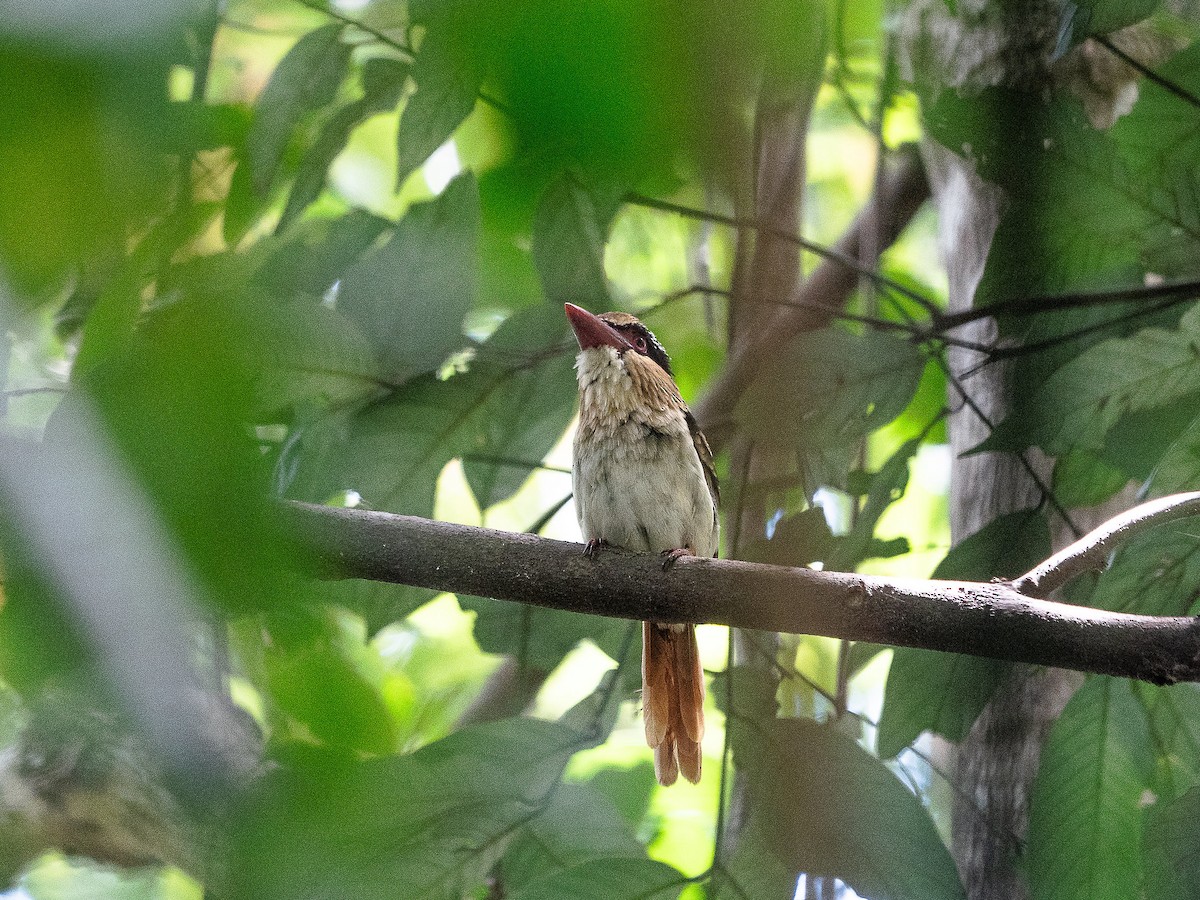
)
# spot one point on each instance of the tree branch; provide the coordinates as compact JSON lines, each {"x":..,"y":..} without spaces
{"x":1089,"y":553}
{"x":992,"y":620}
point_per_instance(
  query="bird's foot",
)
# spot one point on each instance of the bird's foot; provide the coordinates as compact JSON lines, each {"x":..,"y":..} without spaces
{"x":670,"y":557}
{"x":593,"y":547}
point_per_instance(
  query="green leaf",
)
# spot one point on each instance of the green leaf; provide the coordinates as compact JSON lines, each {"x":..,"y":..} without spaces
{"x":1085,"y":820}
{"x":306,"y":79}
{"x":1172,"y":848}
{"x":313,"y":354}
{"x":519,"y":425}
{"x":383,"y":81}
{"x":1082,"y":479}
{"x":1179,"y":467}
{"x":319,"y":688}
{"x":1174,"y":714}
{"x":1156,"y":573}
{"x":1008,"y":546}
{"x":428,"y":825}
{"x":848,"y":386}
{"x":930,"y":691}
{"x":887,"y":486}
{"x":1080,"y":402}
{"x":1107,"y":16}
{"x":447,"y":85}
{"x":844,"y":813}
{"x":578,"y":825}
{"x":607,"y":879}
{"x":411,"y":294}
{"x":568,"y":246}
{"x":796,"y":541}
{"x":945,"y":692}
{"x":538,"y":638}
{"x":316,"y":254}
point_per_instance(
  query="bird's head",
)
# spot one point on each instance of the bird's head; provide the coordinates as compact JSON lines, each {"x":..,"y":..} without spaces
{"x":620,"y":331}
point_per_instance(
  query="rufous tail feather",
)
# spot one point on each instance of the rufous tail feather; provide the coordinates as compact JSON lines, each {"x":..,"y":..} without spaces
{"x":672,"y":700}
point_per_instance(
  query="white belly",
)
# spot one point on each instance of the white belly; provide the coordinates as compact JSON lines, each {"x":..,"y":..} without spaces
{"x":650,"y":494}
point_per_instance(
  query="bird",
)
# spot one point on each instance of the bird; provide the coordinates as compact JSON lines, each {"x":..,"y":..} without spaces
{"x":643,"y":479}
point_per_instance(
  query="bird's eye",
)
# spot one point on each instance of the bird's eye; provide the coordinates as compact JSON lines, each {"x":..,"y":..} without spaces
{"x":639,"y":344}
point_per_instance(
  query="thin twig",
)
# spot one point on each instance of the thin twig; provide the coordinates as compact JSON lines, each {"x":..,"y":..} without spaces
{"x":1090,"y":552}
{"x":1142,"y":69}
{"x":829,"y":253}
{"x":1026,"y":306}
{"x":380,"y":36}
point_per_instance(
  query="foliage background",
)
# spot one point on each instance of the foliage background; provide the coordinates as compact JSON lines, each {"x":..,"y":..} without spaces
{"x":277,"y":249}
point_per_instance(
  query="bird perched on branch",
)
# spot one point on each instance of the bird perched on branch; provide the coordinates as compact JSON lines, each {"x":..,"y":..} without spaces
{"x":644,"y":480}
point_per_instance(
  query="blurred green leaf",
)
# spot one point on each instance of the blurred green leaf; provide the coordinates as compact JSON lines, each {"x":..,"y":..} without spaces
{"x":1106,"y":16}
{"x":1085,"y":823}
{"x":1082,"y":479}
{"x":446,"y":814}
{"x":844,"y":813}
{"x":315,"y":254}
{"x":629,"y":789}
{"x":1155,"y":573}
{"x":607,"y":879}
{"x":847,"y":385}
{"x":1178,"y":468}
{"x":319,"y":688}
{"x":1006,"y":547}
{"x":887,"y":486}
{"x":383,"y":83}
{"x":79,"y":173}
{"x":797,"y":540}
{"x":1174,"y":714}
{"x":310,"y":353}
{"x":305,"y":80}
{"x":523,"y":421}
{"x":411,"y":294}
{"x":930,"y":691}
{"x":578,"y":825}
{"x":447,"y":85}
{"x":568,"y":246}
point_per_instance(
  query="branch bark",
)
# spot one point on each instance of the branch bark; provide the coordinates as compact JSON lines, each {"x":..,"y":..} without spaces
{"x":991,"y":620}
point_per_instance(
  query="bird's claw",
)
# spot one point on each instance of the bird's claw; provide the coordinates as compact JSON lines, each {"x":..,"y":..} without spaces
{"x":593,"y":547}
{"x":670,"y":557}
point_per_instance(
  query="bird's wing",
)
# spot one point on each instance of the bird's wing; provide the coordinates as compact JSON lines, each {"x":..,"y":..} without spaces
{"x":706,"y":457}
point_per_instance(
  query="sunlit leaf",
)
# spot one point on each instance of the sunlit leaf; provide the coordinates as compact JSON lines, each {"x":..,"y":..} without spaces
{"x":323,"y":691}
